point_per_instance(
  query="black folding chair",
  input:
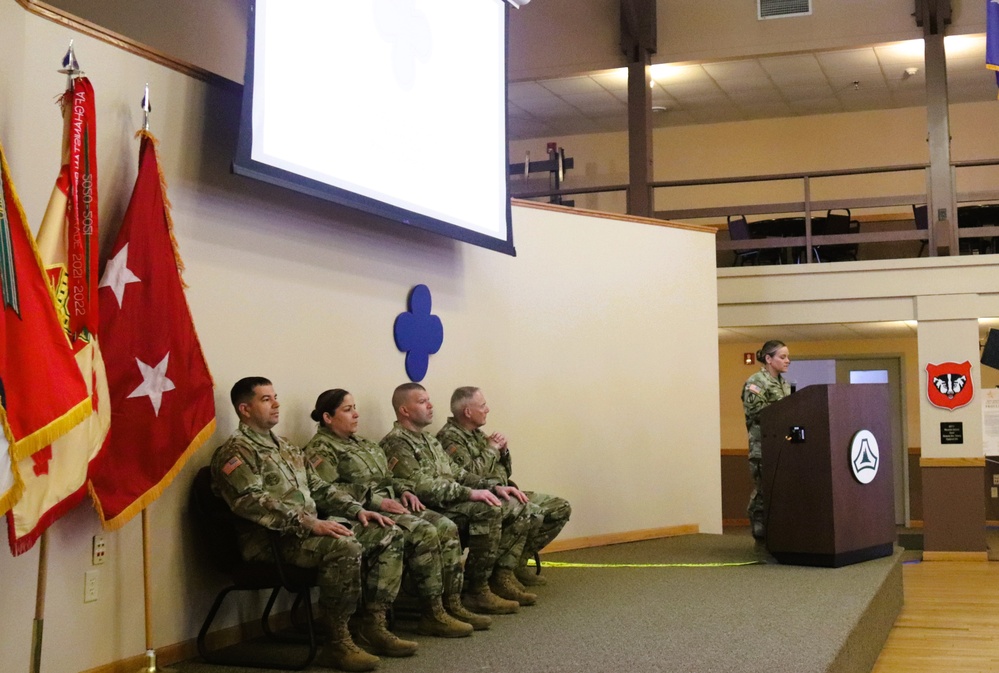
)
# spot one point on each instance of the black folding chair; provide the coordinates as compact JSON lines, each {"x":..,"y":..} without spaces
{"x":215,"y":527}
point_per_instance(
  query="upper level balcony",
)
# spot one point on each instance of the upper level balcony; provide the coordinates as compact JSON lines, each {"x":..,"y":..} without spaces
{"x":821,"y":217}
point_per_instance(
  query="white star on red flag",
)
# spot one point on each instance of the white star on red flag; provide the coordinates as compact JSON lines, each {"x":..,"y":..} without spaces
{"x":154,"y":382}
{"x":117,"y":274}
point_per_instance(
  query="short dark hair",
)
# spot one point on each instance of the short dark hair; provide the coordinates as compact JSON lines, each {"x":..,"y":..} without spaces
{"x":769,"y":348}
{"x":327,"y":403}
{"x":402,"y":392}
{"x":244,"y":390}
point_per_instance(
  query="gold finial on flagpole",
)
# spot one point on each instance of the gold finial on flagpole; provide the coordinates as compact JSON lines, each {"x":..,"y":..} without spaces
{"x":146,"y":109}
{"x":70,"y":66}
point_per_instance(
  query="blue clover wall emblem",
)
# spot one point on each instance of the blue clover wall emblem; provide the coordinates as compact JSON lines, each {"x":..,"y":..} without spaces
{"x":418,"y":333}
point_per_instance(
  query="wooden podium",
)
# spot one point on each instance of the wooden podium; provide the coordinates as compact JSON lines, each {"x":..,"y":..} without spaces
{"x":820,"y":445}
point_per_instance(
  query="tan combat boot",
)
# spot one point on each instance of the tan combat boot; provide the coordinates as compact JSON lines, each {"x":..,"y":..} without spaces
{"x":505,"y":585}
{"x":528,"y":576}
{"x":482,"y":600}
{"x":436,"y":622}
{"x":340,"y":651}
{"x":453,"y":606}
{"x":373,"y":632}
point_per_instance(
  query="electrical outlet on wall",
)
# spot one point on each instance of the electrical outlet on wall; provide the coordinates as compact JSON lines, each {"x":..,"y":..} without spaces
{"x":91,"y":582}
{"x":100,"y":550}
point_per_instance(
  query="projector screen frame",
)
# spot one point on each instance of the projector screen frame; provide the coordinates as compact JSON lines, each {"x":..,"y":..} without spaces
{"x":244,"y":165}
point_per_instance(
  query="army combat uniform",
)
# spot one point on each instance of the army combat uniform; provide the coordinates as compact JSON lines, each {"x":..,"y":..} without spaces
{"x":760,"y":391}
{"x":266,"y":480}
{"x":470,"y":449}
{"x":432,"y":548}
{"x":419,"y":462}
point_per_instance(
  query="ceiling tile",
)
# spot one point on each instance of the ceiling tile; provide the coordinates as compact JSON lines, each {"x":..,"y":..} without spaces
{"x":813,"y":90}
{"x":796,"y":65}
{"x":777,"y":86}
{"x":669,"y":74}
{"x":747,"y":84}
{"x":728,"y":70}
{"x":526,"y":90}
{"x":570,"y":85}
{"x":849,"y":61}
{"x":612,"y":80}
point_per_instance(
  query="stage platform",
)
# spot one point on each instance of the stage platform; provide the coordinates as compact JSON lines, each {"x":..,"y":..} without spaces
{"x":690,"y":604}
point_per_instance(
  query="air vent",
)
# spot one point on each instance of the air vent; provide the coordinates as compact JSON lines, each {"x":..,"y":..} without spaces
{"x":780,"y":9}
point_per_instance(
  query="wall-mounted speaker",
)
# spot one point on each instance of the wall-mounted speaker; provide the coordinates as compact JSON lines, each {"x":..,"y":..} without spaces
{"x":990,"y":354}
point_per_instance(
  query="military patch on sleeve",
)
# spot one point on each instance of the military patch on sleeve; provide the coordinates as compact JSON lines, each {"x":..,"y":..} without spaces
{"x":753,"y":388}
{"x":232,"y":464}
{"x":316,"y":461}
{"x":392,"y":462}
{"x":451,"y":450}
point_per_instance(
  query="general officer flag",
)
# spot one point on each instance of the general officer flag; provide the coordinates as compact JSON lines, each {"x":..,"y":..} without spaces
{"x":162,"y":398}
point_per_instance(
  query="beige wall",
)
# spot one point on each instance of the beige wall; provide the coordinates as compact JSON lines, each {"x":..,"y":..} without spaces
{"x":946,"y":296}
{"x":734,"y":375}
{"x":575,"y":341}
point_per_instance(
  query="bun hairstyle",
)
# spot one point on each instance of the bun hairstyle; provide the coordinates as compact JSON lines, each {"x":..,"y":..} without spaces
{"x":327,"y":403}
{"x":769,"y":348}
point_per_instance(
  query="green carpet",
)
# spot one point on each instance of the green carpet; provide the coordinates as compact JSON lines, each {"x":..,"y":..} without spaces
{"x":756,"y":617}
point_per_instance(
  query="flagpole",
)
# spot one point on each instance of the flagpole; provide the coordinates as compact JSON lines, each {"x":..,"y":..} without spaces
{"x":147,"y":585}
{"x":150,"y":666}
{"x":147,"y":574}
{"x":71,"y":68}
{"x":38,"y":626}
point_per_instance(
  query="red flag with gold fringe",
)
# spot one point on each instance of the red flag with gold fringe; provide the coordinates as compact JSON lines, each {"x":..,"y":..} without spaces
{"x":162,"y":397}
{"x":55,"y":477}
{"x":42,"y":394}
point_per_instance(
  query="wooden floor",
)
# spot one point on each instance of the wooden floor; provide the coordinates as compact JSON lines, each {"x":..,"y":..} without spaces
{"x":949,"y":622}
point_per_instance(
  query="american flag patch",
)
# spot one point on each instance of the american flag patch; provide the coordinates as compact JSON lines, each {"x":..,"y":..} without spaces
{"x":316,"y":461}
{"x":452,"y":449}
{"x":753,"y":388}
{"x":233,"y":463}
{"x":392,"y":463}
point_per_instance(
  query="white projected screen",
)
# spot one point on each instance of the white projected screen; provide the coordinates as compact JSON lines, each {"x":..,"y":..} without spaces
{"x":398,"y":107}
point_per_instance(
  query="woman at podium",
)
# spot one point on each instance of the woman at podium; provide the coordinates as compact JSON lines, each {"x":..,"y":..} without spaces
{"x":761,"y":390}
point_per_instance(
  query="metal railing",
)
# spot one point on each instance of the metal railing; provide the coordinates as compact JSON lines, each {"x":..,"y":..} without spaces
{"x":805,"y":206}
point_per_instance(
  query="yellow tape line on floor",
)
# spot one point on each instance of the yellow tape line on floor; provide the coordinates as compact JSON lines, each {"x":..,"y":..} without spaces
{"x":566,"y":564}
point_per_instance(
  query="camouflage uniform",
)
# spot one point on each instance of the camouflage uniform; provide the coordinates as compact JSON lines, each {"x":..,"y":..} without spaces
{"x":761,"y":390}
{"x":470,"y":449}
{"x":420,"y":463}
{"x":359,"y":466}
{"x":266,"y":480}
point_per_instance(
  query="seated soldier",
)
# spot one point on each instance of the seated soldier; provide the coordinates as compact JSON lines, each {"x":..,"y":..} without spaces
{"x":488,"y":456}
{"x":266,"y":480}
{"x":417,"y":459}
{"x":433,"y":551}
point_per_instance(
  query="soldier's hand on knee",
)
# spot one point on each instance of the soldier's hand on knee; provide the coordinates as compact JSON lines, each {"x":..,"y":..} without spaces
{"x":329,"y":528}
{"x":365,"y":516}
{"x":392,"y":506}
{"x":482,"y":495}
{"x":410,"y":500}
{"x":507,"y":491}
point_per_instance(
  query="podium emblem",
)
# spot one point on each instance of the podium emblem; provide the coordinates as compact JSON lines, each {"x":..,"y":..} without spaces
{"x":949,"y":384}
{"x":864,"y":456}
